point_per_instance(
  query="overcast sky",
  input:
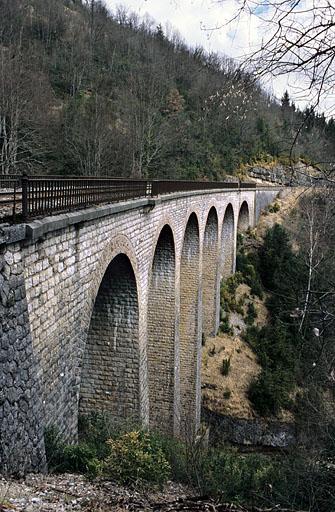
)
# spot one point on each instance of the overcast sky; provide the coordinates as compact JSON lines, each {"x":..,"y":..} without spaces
{"x":204,"y":22}
{"x":194,"y":19}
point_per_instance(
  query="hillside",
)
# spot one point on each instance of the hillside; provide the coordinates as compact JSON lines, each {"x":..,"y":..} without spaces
{"x":228,"y":394}
{"x":84,"y":91}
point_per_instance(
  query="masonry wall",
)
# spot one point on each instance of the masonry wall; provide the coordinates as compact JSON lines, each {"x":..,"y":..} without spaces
{"x":262,"y":200}
{"x":161,"y":334}
{"x":210,"y":268}
{"x":190,"y":326}
{"x":110,"y":370}
{"x":21,"y":428}
{"x":52,"y":290}
{"x":227,"y":243}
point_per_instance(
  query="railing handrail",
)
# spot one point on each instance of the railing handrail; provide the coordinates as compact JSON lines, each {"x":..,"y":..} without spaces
{"x":42,"y":195}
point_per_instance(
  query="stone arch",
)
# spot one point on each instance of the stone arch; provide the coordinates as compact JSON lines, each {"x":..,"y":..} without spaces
{"x":210,"y":273}
{"x":243,"y":217}
{"x":161,"y":333}
{"x":110,"y":367}
{"x":190,"y":328}
{"x":227,"y":242}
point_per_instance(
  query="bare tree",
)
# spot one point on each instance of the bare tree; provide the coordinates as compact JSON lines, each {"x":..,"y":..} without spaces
{"x":298,"y":41}
{"x":24,"y":100}
{"x":299,"y":38}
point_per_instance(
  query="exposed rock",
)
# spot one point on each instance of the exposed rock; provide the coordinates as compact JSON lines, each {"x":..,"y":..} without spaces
{"x":250,"y":432}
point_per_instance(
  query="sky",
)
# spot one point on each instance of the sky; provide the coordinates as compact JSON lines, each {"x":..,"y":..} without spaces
{"x":203,"y":22}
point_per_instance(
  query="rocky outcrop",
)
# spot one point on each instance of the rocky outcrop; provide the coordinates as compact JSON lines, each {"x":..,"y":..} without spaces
{"x":250,"y":432}
{"x":299,"y":174}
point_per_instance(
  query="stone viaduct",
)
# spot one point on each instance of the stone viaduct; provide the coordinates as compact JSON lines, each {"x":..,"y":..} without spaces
{"x":104,"y":309}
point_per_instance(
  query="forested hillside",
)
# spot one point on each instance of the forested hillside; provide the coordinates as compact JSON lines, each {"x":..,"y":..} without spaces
{"x":83,"y":91}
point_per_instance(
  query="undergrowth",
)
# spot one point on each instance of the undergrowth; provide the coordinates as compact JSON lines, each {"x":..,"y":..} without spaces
{"x":144,"y":459}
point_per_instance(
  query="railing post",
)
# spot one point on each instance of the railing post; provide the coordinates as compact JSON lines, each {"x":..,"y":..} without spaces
{"x":24,"y":184}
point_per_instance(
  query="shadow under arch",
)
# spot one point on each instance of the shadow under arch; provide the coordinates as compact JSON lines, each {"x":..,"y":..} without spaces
{"x":243,"y":218}
{"x":161,"y":333}
{"x":110,"y":367}
{"x":227,"y":243}
{"x":190,"y":329}
{"x":210,"y":269}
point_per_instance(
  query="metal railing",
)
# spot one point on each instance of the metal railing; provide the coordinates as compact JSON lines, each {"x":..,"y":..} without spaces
{"x":10,"y":195}
{"x":25,"y":197}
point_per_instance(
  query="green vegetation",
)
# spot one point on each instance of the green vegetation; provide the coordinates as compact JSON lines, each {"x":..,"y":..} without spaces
{"x":62,"y":457}
{"x":275,"y":350}
{"x":144,"y":459}
{"x":277,"y":269}
{"x":286,"y":347}
{"x":111,"y":94}
{"x":228,"y":291}
{"x":225,"y":367}
{"x":251,"y":313}
{"x":227,"y":394}
{"x":273,"y":208}
{"x":136,"y":457}
{"x":247,"y":265}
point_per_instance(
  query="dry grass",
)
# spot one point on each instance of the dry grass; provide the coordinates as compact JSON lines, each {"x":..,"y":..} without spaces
{"x":287,"y":205}
{"x":243,"y":369}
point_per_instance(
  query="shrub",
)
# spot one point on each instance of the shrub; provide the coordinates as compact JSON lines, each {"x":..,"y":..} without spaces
{"x":281,"y":270}
{"x":247,"y":265}
{"x":136,"y":457}
{"x":95,"y":429}
{"x":225,"y":367}
{"x":251,"y":313}
{"x":211,"y":351}
{"x":227,"y":394}
{"x":274,"y":348}
{"x":270,"y":392}
{"x":227,"y":294}
{"x":225,"y":327}
{"x":274,"y":208}
{"x":61,"y":457}
{"x":234,"y":476}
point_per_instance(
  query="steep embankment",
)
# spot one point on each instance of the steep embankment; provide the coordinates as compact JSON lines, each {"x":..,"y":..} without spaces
{"x":229,"y":364}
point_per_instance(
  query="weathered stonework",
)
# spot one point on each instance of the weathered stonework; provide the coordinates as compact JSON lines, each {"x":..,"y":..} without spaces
{"x":161,"y":334}
{"x":21,"y":415}
{"x":244,"y":220}
{"x":190,"y":326}
{"x":103,"y":309}
{"x":227,"y":263}
{"x":110,"y":371}
{"x":210,"y":269}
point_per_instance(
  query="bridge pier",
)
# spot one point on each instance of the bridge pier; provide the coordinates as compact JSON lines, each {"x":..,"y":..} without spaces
{"x":210,"y":268}
{"x":161,"y":345}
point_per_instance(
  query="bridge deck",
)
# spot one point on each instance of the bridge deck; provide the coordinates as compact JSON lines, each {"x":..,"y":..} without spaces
{"x":26,"y":197}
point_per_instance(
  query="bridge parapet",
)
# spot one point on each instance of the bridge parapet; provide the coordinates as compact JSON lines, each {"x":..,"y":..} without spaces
{"x":26,"y":197}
